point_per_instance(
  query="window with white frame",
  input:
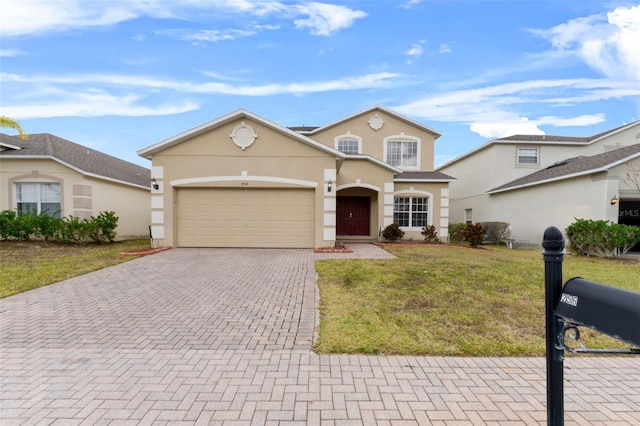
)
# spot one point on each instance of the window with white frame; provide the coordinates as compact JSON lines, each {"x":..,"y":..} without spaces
{"x":468,"y":215}
{"x":528,"y":156}
{"x":402,"y":152}
{"x":38,"y":198}
{"x":349,"y":145}
{"x":411,"y":211}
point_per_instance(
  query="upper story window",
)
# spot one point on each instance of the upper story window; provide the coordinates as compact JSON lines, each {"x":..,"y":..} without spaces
{"x":38,"y":198}
{"x":403,"y":151}
{"x":349,"y":144}
{"x":528,"y":156}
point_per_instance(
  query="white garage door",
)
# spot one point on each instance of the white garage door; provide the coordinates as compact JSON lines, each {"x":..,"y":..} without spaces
{"x":245,"y":217}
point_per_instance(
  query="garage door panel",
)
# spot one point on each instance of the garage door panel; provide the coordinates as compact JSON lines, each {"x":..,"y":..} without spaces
{"x":245,"y":217}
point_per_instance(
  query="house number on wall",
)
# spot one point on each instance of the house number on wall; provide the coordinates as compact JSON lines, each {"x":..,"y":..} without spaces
{"x":244,"y":183}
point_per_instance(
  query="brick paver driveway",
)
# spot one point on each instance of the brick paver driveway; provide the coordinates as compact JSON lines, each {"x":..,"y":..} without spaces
{"x":223,"y":336}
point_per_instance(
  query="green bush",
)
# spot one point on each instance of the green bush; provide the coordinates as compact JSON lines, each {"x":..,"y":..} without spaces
{"x":392,"y":232}
{"x":8,"y":224}
{"x":602,"y":238}
{"x":455,"y":232}
{"x":74,"y":230}
{"x":104,"y":227}
{"x":430,"y":234}
{"x":497,"y":232}
{"x":46,"y":226}
{"x":26,"y":224}
{"x":474,"y":233}
{"x":65,"y":230}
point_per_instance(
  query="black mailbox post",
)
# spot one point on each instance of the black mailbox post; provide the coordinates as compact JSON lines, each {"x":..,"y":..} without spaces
{"x":607,"y":309}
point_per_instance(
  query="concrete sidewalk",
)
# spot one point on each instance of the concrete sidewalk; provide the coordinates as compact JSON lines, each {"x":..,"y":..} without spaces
{"x":224,"y":336}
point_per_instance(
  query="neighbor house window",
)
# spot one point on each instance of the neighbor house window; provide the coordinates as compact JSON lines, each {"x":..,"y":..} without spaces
{"x":411,"y":211}
{"x":402,"y":153}
{"x":38,"y":198}
{"x":468,"y":216}
{"x":528,"y":156}
{"x":349,"y":146}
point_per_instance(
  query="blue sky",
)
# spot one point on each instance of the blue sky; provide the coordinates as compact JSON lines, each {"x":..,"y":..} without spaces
{"x":120,"y":75}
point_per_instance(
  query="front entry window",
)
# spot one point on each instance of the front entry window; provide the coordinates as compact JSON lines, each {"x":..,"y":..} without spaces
{"x":38,"y":198}
{"x":411,"y":211}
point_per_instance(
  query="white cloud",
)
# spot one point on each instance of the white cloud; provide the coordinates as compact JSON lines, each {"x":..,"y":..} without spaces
{"x":37,"y":17}
{"x":445,"y":48}
{"x":415,"y":50}
{"x":211,"y":36}
{"x":7,"y":53}
{"x":608,"y":44}
{"x":94,"y":103}
{"x":410,"y":3}
{"x":503,"y":109}
{"x":64,"y":96}
{"x":325,"y":19}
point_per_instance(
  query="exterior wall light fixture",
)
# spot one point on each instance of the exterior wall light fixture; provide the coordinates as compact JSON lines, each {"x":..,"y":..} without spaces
{"x":154,"y":183}
{"x":614,"y":200}
{"x":329,"y":186}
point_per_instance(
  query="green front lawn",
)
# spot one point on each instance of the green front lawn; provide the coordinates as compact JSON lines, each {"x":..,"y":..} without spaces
{"x":448,"y":300}
{"x":25,"y":265}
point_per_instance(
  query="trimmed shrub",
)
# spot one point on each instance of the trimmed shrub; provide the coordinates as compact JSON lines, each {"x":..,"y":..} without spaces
{"x":602,"y":238}
{"x":497,"y":232}
{"x":8,"y":224}
{"x":455,"y":232}
{"x":474,"y":233}
{"x":46,"y":226}
{"x":430,"y":234}
{"x":103,"y":227}
{"x":392,"y":232}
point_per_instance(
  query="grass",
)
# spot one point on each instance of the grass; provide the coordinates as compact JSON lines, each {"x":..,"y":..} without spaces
{"x":431,"y":300}
{"x":448,"y":300}
{"x":25,"y":265}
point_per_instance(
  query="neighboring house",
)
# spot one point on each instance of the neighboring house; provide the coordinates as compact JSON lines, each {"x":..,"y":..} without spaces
{"x":45,"y":173}
{"x":243,"y":181}
{"x":533,"y":182}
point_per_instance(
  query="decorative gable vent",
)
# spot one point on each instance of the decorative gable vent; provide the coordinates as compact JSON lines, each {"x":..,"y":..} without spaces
{"x":243,"y":136}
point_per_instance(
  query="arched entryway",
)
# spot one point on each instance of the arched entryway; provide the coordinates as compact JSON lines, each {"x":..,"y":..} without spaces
{"x":356,"y":212}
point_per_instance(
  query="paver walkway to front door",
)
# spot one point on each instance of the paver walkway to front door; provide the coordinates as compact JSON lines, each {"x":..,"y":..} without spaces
{"x":223,"y":336}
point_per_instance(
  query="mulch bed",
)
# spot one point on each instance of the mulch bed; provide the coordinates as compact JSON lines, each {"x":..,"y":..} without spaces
{"x":344,"y":248}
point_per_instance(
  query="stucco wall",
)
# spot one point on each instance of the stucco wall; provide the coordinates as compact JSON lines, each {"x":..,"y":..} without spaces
{"x":212,"y":159}
{"x":81,"y":196}
{"x":373,"y":141}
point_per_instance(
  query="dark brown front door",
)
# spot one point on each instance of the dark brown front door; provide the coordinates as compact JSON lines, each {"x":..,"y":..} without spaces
{"x":352,"y":215}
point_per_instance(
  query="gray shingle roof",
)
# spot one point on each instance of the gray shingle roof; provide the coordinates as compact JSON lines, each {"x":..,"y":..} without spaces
{"x":574,"y":166}
{"x":86,"y":159}
{"x":418,"y":176}
{"x":554,"y":138}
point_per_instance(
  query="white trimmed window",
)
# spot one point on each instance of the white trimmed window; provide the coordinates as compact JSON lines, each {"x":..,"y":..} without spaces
{"x":411,"y":212}
{"x":349,"y":144}
{"x":38,"y":198}
{"x":403,"y":152}
{"x":528,"y":156}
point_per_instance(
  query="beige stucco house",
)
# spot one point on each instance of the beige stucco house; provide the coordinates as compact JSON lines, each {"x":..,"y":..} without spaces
{"x":244,"y":181}
{"x":50,"y":174}
{"x":536,"y":181}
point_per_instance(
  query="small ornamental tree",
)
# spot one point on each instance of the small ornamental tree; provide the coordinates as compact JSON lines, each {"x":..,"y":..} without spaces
{"x":474,"y":233}
{"x":392,"y":232}
{"x":430,"y":234}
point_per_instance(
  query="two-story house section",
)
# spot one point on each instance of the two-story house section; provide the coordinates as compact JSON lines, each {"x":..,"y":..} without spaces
{"x":536,"y":181}
{"x":244,"y":181}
